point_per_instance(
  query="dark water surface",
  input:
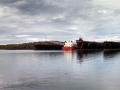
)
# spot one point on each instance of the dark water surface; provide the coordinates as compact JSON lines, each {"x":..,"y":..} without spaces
{"x":58,"y":70}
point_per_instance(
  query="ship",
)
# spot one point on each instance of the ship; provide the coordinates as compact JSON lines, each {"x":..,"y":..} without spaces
{"x":111,"y":45}
{"x":68,"y":46}
{"x":89,"y":45}
{"x":49,"y":45}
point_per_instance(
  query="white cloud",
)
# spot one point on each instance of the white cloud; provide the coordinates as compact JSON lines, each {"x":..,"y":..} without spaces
{"x":103,"y":11}
{"x":112,"y":4}
{"x":19,"y":36}
{"x":32,"y":39}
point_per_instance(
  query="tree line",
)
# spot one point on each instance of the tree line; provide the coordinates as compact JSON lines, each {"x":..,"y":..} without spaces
{"x":23,"y":46}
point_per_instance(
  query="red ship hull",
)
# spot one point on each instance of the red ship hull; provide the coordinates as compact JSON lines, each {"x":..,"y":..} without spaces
{"x":68,"y":48}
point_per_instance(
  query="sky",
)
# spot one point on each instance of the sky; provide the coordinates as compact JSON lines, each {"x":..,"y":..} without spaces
{"x":35,"y":20}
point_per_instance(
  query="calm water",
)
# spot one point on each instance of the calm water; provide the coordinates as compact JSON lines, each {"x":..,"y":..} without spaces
{"x":58,"y":70}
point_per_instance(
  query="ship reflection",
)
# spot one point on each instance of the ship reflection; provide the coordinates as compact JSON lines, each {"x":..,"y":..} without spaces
{"x":86,"y":55}
{"x":111,"y":54}
{"x":68,"y":55}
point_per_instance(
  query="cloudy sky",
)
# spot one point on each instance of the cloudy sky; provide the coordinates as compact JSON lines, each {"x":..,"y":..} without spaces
{"x":31,"y":20}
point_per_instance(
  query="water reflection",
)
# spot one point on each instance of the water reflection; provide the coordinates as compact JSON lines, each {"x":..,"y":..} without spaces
{"x":82,"y":56}
{"x":49,"y":54}
{"x":110,"y":55}
{"x":49,"y":70}
{"x":68,"y":55}
{"x":86,"y":55}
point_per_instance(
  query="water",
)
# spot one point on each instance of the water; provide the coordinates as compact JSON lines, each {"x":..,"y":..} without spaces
{"x":58,"y":70}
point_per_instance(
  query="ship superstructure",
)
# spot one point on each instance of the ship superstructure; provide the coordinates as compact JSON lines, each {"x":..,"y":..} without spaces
{"x":89,"y":45}
{"x":69,"y":46}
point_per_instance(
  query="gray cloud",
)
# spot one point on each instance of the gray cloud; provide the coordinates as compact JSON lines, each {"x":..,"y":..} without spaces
{"x":29,"y":20}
